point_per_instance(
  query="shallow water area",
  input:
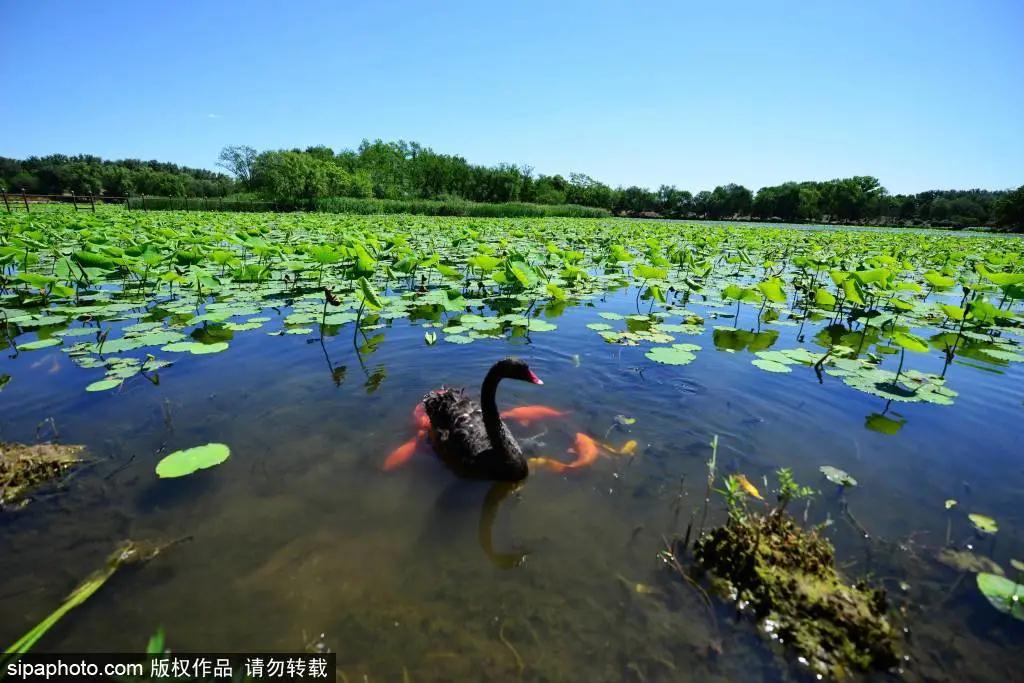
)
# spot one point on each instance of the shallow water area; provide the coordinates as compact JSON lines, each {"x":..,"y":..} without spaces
{"x":301,"y":538}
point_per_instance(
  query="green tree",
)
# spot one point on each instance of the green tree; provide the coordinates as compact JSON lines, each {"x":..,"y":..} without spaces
{"x":238,"y":160}
{"x":1009,"y":210}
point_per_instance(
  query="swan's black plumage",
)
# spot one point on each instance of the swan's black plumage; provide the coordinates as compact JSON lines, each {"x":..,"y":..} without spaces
{"x":470,"y":437}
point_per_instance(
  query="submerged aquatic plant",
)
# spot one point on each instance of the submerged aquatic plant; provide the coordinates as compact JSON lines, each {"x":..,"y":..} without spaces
{"x":129,"y":552}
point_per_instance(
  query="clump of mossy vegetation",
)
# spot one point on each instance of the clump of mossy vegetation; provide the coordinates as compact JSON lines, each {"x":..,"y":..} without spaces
{"x":22,"y":468}
{"x":786,"y":575}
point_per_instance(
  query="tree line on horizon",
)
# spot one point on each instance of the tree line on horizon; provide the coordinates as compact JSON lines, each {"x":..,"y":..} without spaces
{"x":407,"y":170}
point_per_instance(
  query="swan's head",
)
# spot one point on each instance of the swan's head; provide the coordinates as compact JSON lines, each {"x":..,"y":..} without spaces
{"x":514,"y":368}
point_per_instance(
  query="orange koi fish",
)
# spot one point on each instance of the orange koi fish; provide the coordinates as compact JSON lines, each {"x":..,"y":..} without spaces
{"x":419,"y":417}
{"x":628,"y":448}
{"x":524,"y":415}
{"x":550,"y":463}
{"x":401,"y":455}
{"x":585,"y":448}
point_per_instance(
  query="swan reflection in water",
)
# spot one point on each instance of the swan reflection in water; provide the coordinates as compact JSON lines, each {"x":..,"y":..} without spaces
{"x":498,"y":492}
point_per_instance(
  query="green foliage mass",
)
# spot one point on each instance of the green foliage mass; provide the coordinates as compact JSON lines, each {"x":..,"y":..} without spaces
{"x":406,"y":177}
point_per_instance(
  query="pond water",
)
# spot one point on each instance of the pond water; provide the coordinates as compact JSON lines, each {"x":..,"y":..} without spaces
{"x":300,"y":538}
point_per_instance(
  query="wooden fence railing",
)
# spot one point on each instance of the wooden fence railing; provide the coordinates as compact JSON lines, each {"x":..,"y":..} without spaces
{"x":24,"y":201}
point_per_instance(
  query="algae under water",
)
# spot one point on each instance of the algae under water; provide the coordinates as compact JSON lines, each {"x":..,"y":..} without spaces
{"x":145,"y":334}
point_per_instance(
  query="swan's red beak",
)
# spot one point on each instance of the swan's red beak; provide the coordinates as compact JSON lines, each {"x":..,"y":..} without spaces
{"x":534,"y":378}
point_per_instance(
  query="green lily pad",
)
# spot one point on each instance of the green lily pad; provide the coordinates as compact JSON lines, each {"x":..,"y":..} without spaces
{"x":243,"y":327}
{"x":1008,"y":356}
{"x":983,"y":523}
{"x":800,"y":355}
{"x":457,"y":339}
{"x":196,"y":348}
{"x":677,"y":354}
{"x":771,"y":365}
{"x":181,"y":463}
{"x":104,"y":385}
{"x":1003,"y":594}
{"x":39,"y":344}
{"x":80,"y":332}
{"x":679,"y":329}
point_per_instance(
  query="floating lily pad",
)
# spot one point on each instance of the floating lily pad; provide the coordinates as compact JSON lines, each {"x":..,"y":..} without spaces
{"x":983,"y":523}
{"x":39,"y":344}
{"x":80,"y":332}
{"x":1003,"y":594}
{"x":800,"y":355}
{"x":771,"y":365}
{"x":1008,"y":356}
{"x":775,"y":356}
{"x":104,"y":385}
{"x":243,"y":327}
{"x":677,"y":354}
{"x":196,"y":348}
{"x":181,"y":463}
{"x":679,"y":329}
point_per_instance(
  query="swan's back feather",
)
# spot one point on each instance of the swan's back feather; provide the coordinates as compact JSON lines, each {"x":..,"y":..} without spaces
{"x":460,"y":438}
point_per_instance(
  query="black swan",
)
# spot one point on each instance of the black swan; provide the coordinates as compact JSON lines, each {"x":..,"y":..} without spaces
{"x":471,"y":438}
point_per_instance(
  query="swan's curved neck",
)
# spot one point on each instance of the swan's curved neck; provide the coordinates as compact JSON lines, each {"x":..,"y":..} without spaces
{"x":489,"y":406}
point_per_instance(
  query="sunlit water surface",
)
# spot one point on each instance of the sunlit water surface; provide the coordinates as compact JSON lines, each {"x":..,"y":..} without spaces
{"x":300,"y":538}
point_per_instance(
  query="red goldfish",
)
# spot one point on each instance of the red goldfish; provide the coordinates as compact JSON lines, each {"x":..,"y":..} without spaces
{"x":524,"y":415}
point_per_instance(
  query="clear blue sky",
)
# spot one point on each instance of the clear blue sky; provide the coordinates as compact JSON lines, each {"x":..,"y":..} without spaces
{"x":923,"y":94}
